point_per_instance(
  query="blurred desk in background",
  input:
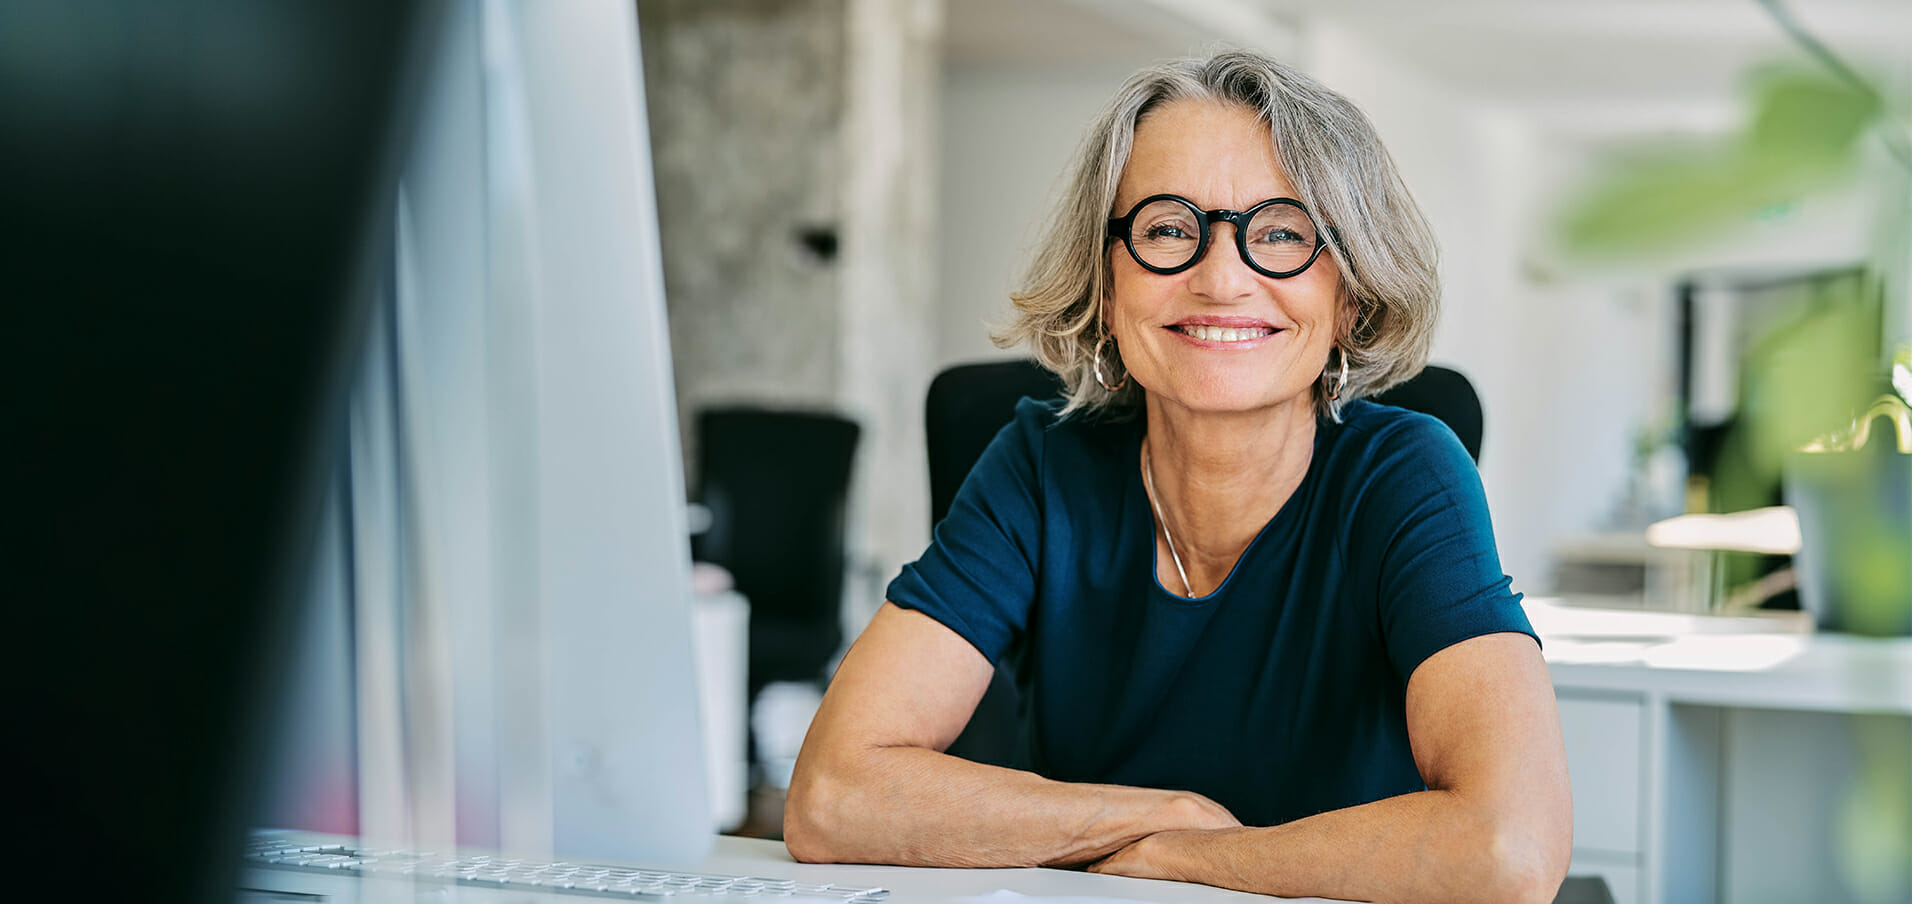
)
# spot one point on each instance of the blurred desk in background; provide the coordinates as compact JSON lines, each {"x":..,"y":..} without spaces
{"x":1619,"y":569}
{"x":1716,"y":759}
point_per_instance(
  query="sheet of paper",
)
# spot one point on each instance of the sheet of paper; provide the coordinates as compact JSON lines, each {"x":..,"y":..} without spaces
{"x":1010,"y":897}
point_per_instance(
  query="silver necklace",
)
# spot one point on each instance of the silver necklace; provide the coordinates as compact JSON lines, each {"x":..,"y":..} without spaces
{"x":1148,"y":481}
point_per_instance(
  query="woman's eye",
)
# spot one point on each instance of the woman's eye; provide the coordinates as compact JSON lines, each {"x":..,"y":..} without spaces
{"x":1166,"y":231}
{"x":1281,"y":237}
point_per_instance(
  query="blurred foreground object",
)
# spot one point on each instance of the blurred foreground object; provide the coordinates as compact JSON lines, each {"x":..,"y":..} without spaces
{"x":1805,"y":135}
{"x":188,"y":190}
{"x":1810,"y":387}
{"x":1853,"y":493}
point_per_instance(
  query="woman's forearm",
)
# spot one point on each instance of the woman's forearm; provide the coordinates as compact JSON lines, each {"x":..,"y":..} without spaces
{"x":872,"y":787}
{"x":916,"y":807}
{"x":1431,"y":846}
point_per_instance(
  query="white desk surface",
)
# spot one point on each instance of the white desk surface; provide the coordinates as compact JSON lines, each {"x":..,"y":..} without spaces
{"x":910,"y":885}
{"x":1722,"y":662}
{"x":730,"y":856}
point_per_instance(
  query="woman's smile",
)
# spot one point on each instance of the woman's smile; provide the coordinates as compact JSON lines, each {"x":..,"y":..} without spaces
{"x":1228,"y":333}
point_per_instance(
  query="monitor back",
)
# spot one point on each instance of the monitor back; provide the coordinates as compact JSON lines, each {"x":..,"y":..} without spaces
{"x":499,"y":617}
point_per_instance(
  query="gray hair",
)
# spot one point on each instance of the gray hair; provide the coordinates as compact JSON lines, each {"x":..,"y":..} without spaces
{"x":1329,"y":152}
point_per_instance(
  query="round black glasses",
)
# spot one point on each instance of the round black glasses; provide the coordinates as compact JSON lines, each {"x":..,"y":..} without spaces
{"x":1168,"y":234}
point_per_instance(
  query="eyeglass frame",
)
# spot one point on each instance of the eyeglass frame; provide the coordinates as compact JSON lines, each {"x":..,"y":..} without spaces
{"x":1122,"y":227}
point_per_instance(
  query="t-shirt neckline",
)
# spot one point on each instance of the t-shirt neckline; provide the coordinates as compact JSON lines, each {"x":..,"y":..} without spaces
{"x":1137,"y":495}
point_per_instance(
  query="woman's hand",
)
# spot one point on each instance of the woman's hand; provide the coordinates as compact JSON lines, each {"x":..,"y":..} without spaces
{"x":1145,"y":858}
{"x":1188,"y":810}
{"x":1140,"y":859}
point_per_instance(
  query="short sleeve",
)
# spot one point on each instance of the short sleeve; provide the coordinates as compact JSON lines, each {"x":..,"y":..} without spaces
{"x":978,"y":577}
{"x":1423,"y":525}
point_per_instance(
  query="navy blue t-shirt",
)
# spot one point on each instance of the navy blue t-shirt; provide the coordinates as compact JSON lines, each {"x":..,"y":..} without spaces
{"x":1279,"y":695}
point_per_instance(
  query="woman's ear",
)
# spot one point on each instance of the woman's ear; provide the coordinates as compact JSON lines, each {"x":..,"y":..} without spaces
{"x":1347,"y":320}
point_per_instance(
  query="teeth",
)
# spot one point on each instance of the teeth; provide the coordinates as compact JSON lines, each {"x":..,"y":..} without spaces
{"x":1224,"y":333}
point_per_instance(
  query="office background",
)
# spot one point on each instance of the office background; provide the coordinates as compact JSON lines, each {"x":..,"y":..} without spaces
{"x":845,"y":189}
{"x":857,"y":182}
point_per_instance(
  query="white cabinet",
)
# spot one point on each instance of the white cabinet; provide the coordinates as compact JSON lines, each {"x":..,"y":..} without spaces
{"x":1603,"y":757}
{"x":1711,"y":763}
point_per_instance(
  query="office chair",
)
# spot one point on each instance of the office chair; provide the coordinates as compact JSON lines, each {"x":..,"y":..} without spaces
{"x":1445,"y":394}
{"x":966,"y":406}
{"x":776,"y":484}
{"x":969,"y":403}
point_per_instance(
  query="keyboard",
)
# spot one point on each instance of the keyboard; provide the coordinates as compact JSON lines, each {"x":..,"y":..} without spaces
{"x":562,"y":877}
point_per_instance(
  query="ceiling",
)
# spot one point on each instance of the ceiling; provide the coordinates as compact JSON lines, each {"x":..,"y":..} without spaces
{"x":1578,"y":69}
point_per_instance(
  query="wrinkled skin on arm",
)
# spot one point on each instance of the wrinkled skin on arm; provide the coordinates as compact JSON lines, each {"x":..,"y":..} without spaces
{"x":872,"y":784}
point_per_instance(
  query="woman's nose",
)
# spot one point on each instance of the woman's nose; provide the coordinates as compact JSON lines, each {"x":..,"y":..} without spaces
{"x":1221,"y":274}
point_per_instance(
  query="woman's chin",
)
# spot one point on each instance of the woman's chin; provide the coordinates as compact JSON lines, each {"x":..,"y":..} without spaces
{"x":1225,"y":399}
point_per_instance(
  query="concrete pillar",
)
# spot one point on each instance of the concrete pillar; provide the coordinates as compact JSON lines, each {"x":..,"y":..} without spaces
{"x":890,"y":237}
{"x":795,"y":150}
{"x":746,"y":104}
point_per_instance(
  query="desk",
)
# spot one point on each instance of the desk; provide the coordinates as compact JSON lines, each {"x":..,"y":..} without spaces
{"x":1709,"y":758}
{"x":754,"y":857}
{"x":910,"y":885}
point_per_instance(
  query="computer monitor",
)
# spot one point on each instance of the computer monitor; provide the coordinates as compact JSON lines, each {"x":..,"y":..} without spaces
{"x":496,"y":648}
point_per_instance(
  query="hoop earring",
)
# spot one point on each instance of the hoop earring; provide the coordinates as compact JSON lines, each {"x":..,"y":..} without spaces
{"x":1334,"y":394}
{"x":1101,"y":380}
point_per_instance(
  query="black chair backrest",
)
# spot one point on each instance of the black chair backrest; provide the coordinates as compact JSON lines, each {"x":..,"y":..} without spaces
{"x":776,"y":483}
{"x":1445,"y":394}
{"x":967,"y":405}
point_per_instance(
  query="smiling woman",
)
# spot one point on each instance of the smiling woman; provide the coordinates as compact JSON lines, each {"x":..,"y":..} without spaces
{"x":1259,"y":623}
{"x":1335,"y":180}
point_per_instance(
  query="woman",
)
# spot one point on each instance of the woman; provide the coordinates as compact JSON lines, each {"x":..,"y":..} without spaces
{"x":1261,"y":628}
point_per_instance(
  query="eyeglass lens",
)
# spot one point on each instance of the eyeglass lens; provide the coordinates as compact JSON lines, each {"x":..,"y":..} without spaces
{"x":1167,"y":234}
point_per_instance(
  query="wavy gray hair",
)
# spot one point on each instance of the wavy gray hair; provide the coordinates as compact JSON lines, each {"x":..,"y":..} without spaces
{"x":1329,"y":151}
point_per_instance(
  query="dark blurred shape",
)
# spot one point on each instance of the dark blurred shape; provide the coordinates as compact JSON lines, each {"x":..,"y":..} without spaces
{"x":189,"y":190}
{"x":1446,"y":394}
{"x":819,"y":241}
{"x":1584,"y":890}
{"x":967,"y":405}
{"x":776,"y":484}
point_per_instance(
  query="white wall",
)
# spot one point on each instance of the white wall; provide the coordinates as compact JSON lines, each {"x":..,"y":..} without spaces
{"x":1564,"y":370}
{"x":1008,"y":134}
